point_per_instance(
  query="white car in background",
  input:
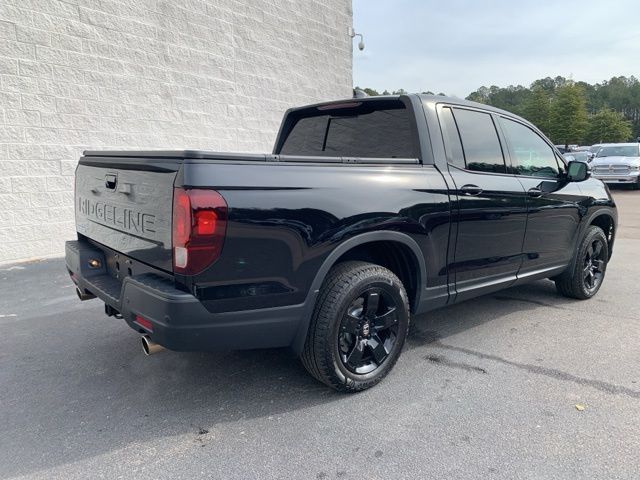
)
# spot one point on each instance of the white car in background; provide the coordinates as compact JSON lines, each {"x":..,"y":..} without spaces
{"x":593,"y":150}
{"x":617,"y":163}
{"x":579,"y":156}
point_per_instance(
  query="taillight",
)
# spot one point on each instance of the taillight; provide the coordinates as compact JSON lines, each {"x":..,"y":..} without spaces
{"x":199,"y":226}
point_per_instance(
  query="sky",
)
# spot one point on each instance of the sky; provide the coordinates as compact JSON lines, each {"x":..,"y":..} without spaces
{"x":456,"y":46}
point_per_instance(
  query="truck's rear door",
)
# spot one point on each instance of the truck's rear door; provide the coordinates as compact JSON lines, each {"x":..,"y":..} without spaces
{"x":123,"y":200}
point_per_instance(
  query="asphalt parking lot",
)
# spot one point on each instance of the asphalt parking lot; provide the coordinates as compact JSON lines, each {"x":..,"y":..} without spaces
{"x":485,"y":389}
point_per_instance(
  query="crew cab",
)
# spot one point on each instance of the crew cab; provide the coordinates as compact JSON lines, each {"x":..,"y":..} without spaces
{"x":367,"y":212}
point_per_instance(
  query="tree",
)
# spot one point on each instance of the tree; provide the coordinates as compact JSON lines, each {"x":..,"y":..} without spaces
{"x":620,"y":94}
{"x":607,"y":126}
{"x":481,"y":96}
{"x":568,"y":119}
{"x":537,"y":108}
{"x":369,"y":91}
{"x":510,"y":98}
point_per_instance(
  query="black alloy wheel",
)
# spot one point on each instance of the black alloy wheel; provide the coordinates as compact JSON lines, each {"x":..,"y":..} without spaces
{"x":358,"y":328}
{"x":584,"y":276}
{"x":368,"y":331}
{"x":593,"y":265}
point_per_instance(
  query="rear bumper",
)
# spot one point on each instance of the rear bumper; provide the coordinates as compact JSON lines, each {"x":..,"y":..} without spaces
{"x":179,"y":321}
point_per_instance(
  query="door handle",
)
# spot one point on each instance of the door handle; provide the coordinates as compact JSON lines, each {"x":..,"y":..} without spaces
{"x":534,"y":192}
{"x":470,"y":190}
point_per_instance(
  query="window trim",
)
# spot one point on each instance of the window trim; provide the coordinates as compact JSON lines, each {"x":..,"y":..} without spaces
{"x":496,"y":126}
{"x":293,"y":115}
{"x":554,"y":150}
{"x":445,"y":136}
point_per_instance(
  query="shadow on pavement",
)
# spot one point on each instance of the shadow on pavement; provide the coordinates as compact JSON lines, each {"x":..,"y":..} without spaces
{"x":74,"y":383}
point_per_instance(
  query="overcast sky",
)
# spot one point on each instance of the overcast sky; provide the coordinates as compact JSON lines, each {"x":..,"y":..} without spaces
{"x":456,"y":46}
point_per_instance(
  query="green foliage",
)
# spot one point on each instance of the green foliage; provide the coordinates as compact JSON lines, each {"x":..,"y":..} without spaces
{"x":537,"y":108}
{"x":369,"y":91}
{"x":607,"y":126}
{"x":510,"y":98}
{"x":563,"y":117}
{"x":567,"y":111}
{"x":568,"y":118}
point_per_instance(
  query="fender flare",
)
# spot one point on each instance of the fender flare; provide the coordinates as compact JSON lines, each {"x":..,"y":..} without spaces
{"x":608,"y":211}
{"x":600,"y":212}
{"x":387,"y":235}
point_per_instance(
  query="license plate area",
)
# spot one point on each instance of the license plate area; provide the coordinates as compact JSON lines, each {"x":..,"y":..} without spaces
{"x":121,"y":266}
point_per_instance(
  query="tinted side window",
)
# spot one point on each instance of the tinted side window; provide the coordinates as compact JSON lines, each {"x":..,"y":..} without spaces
{"x":530,"y":154}
{"x":306,"y":137}
{"x":451,"y":137}
{"x":480,"y":142}
{"x":383,"y":133}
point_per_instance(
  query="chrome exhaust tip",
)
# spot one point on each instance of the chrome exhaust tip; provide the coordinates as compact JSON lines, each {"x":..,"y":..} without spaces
{"x":149,"y":347}
{"x":84,"y":296}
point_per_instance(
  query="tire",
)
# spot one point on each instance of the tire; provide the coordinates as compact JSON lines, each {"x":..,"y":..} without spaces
{"x":589,"y":266}
{"x":358,"y":328}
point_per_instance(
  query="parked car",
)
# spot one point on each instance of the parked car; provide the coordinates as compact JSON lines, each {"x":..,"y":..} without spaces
{"x":578,"y":156}
{"x":593,"y":150}
{"x":618,"y":163}
{"x":567,"y":148}
{"x":367,"y":212}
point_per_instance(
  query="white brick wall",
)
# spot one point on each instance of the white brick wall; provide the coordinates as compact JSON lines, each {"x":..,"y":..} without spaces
{"x":93,"y":74}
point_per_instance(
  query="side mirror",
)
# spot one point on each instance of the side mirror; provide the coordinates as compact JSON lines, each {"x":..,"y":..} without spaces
{"x":578,"y":171}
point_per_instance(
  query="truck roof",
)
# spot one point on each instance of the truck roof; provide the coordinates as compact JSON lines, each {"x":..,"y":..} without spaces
{"x":425,"y":98}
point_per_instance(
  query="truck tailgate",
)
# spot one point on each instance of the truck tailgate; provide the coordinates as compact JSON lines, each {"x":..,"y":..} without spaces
{"x":126,"y":204}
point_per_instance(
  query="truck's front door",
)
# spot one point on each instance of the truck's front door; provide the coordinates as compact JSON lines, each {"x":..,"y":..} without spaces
{"x":553,"y":204}
{"x":489,"y":210}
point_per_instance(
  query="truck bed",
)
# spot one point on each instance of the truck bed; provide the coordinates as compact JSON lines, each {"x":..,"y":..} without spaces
{"x":149,"y":156}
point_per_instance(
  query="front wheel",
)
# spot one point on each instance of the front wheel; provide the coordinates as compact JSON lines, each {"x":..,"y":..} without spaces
{"x":358,"y":327}
{"x":585,"y":278}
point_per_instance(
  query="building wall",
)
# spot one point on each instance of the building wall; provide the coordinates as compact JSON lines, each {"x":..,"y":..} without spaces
{"x":100,"y":74}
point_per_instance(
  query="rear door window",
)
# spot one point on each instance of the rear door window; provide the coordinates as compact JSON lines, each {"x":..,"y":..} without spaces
{"x":480,"y":143}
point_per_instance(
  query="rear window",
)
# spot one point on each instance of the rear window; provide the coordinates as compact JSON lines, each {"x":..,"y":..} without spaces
{"x":362,"y":129}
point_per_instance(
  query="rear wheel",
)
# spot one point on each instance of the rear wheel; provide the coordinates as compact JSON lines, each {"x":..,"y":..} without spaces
{"x":358,"y":327}
{"x":587,"y":275}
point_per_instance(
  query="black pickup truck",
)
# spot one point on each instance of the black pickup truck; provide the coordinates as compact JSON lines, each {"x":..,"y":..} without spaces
{"x":368,"y":211}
